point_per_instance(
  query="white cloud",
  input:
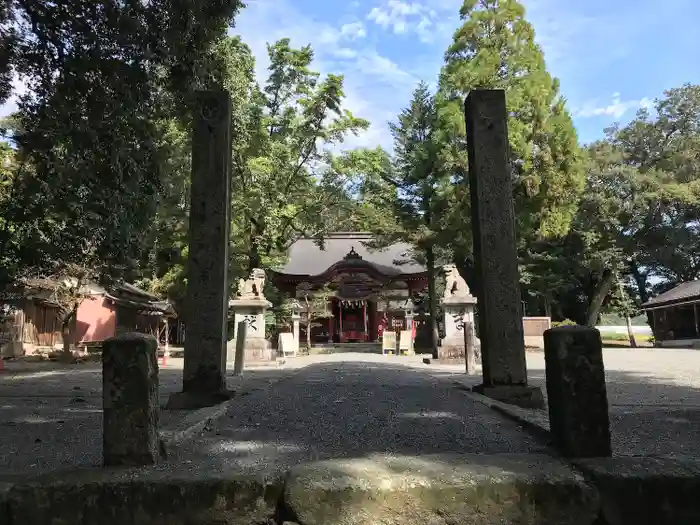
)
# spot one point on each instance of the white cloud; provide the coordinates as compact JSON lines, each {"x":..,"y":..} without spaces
{"x":404,"y":18}
{"x":616,"y":108}
{"x":353,"y":30}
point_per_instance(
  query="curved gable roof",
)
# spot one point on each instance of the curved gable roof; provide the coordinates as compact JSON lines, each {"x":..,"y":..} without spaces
{"x":306,"y":258}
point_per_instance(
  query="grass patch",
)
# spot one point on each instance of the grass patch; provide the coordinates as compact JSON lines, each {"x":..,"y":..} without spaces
{"x":613,"y":336}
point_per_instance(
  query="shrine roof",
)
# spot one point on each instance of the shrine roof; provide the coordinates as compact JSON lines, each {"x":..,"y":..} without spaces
{"x":683,"y":293}
{"x":307,"y":258}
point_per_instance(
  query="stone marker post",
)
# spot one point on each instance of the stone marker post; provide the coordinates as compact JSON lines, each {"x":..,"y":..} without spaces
{"x":206,"y":306}
{"x":240,"y":348}
{"x":576,"y":392}
{"x":493,"y":229}
{"x":130,"y":400}
{"x":469,"y":348}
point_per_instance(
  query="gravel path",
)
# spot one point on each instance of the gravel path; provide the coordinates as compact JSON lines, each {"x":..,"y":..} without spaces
{"x":51,"y":415}
{"x":353,"y":409}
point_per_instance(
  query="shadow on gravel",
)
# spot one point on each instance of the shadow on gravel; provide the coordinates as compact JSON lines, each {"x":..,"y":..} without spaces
{"x":353,"y":410}
{"x":51,"y":416}
{"x":648,"y":415}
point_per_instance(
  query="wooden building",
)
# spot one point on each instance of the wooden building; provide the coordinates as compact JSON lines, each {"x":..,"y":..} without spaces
{"x":372,"y":290}
{"x":675,"y":315}
{"x":32,"y":321}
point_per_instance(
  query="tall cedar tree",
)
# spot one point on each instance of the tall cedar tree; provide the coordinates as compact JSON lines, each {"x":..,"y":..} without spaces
{"x":495,"y":48}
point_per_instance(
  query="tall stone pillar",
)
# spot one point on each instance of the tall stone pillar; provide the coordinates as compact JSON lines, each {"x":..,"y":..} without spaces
{"x":493,"y":228}
{"x":206,"y":306}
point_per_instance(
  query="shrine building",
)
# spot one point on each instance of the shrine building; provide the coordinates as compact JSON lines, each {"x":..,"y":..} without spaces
{"x":372,"y":290}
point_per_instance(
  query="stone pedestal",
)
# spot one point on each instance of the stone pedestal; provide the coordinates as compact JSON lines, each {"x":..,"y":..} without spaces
{"x":130,"y":400}
{"x":458,"y":310}
{"x":495,"y":250}
{"x":252,"y":312}
{"x":576,"y":392}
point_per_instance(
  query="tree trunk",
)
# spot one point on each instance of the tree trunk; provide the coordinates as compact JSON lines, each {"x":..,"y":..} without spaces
{"x":630,"y":334}
{"x":600,"y":292}
{"x":432,"y":301}
{"x":641,"y":280}
{"x":548,"y":306}
{"x":67,"y":335}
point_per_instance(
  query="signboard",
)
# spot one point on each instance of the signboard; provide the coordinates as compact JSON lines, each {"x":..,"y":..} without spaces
{"x":388,"y":342}
{"x":405,"y":340}
{"x":287,"y":344}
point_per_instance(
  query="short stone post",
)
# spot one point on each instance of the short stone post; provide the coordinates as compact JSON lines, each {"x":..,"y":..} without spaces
{"x":130,"y":400}
{"x":240,"y":348}
{"x":576,"y":392}
{"x":469,"y":348}
{"x":206,"y":305}
{"x":493,"y":229}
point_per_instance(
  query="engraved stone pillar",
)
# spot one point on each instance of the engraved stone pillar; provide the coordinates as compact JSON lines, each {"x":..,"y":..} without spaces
{"x":576,"y":391}
{"x":206,"y":306}
{"x":493,"y":227}
{"x":130,"y":400}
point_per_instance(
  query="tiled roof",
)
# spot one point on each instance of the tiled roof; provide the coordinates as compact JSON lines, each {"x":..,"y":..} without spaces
{"x":681,"y":293}
{"x":306,"y":258}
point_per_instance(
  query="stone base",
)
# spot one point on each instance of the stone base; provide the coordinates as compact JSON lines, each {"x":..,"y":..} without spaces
{"x":197,"y":400}
{"x":256,"y":350}
{"x":519,"y":395}
{"x":453,"y":350}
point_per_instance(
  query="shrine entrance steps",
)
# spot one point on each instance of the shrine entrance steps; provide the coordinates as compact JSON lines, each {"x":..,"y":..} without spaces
{"x":338,"y":348}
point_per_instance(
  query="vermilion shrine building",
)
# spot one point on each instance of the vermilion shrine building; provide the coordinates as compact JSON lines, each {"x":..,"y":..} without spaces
{"x":373,"y":289}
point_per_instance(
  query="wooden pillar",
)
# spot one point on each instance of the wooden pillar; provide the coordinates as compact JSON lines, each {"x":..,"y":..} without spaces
{"x":364,"y":318}
{"x":340,"y":320}
{"x":695,"y":314}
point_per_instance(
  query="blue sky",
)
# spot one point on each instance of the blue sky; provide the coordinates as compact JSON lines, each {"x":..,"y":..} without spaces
{"x":612,"y":56}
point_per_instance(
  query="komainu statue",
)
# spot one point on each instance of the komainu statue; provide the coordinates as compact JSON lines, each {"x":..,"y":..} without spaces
{"x":252,"y":287}
{"x":455,"y":285}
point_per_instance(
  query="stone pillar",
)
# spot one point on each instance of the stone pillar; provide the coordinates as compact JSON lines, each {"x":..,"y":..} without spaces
{"x":252,"y":312}
{"x":493,"y":228}
{"x":130,"y":400}
{"x":206,"y":306}
{"x":458,"y":310}
{"x":295,"y":325}
{"x":576,"y":392}
{"x":239,"y":357}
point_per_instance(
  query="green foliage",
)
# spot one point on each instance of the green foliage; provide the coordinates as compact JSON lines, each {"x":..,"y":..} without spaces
{"x":280,"y":187}
{"x":638,"y":216}
{"x":495,"y":48}
{"x":565,"y":322}
{"x":103,"y":84}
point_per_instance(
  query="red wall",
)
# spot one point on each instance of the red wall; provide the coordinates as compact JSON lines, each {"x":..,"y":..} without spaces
{"x":95,"y":320}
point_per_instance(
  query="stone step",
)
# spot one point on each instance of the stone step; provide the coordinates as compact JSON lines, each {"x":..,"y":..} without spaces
{"x":418,"y":490}
{"x":332,"y":348}
{"x":476,"y":489}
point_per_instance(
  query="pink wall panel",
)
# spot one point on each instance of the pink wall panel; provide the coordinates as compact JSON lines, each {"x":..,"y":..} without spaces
{"x":96,"y":320}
